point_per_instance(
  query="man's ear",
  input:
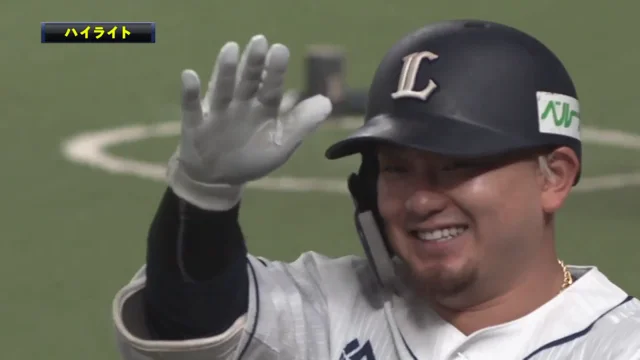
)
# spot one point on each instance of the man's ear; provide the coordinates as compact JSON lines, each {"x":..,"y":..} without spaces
{"x":559,"y":172}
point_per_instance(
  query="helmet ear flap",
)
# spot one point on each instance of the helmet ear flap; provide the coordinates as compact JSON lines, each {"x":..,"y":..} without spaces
{"x":362,"y":187}
{"x":366,"y":185}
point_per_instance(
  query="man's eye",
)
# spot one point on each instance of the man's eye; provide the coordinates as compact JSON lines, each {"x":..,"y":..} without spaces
{"x":459,"y":166}
{"x":453,"y":167}
{"x":393,"y":168}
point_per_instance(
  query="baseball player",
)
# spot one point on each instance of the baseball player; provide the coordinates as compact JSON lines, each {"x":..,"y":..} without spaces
{"x":471,"y":144}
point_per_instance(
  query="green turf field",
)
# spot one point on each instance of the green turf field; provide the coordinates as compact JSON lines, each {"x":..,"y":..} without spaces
{"x":72,"y":235}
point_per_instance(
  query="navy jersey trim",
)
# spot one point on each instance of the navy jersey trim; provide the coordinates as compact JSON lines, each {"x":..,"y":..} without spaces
{"x":413,"y":356}
{"x":255,"y":320}
{"x":576,"y":335}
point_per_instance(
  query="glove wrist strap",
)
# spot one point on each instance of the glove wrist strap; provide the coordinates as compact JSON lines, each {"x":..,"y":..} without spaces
{"x":212,"y":197}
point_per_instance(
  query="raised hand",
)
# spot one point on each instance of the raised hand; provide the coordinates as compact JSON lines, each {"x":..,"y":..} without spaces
{"x":239,"y":132}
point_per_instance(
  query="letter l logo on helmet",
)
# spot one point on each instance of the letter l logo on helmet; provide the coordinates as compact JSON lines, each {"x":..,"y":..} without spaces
{"x":408,"y":76}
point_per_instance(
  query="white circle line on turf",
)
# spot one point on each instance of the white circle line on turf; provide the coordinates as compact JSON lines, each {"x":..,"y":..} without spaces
{"x":92,"y":149}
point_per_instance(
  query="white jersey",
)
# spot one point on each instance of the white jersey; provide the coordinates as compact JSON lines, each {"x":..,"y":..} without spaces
{"x":332,"y":309}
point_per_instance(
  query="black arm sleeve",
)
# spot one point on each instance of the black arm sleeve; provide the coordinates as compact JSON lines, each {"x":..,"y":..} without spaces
{"x":197,"y":280}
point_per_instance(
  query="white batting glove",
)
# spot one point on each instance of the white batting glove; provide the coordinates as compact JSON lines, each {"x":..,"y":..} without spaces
{"x":238,"y":132}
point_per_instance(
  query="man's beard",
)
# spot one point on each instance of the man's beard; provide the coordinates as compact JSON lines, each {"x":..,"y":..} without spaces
{"x":444,"y":282}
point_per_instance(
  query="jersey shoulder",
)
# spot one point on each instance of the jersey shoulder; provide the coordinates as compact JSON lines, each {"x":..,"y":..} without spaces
{"x":324,"y":269}
{"x":337,"y":277}
{"x":623,"y":321}
{"x":617,"y":334}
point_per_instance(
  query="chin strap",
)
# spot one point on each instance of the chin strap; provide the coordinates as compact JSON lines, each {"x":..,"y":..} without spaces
{"x":370,"y":235}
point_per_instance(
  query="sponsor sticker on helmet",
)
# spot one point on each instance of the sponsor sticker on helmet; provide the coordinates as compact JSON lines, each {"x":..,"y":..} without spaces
{"x":558,"y":114}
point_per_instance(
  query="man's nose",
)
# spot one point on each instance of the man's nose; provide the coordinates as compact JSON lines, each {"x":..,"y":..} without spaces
{"x":426,"y":202}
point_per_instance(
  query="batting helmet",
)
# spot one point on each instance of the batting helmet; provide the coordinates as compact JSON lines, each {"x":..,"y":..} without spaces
{"x":463,"y":88}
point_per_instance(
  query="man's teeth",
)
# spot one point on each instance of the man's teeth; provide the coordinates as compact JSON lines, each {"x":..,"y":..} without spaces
{"x":441,"y":234}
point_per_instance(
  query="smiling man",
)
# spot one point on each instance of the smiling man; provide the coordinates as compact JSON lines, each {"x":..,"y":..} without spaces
{"x":471,"y":145}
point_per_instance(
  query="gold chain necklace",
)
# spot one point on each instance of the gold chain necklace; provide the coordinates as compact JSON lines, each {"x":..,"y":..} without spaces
{"x":568,"y":279}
